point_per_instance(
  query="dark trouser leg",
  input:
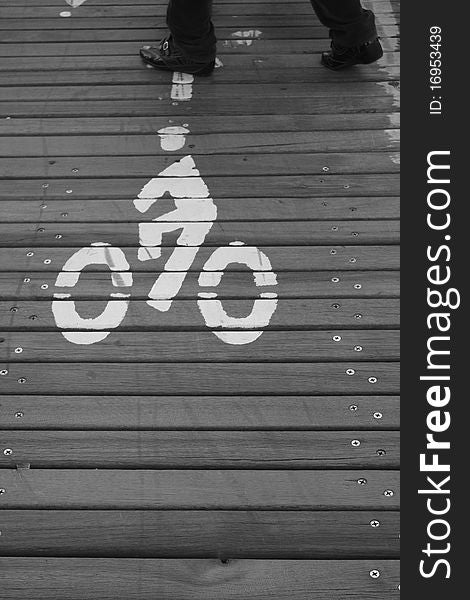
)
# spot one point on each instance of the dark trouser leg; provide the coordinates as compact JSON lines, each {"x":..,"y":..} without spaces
{"x":189,"y":22}
{"x":349,"y":24}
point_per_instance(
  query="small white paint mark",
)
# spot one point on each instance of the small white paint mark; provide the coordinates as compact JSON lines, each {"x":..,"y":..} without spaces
{"x":238,"y":338}
{"x":172,"y":138}
{"x":268,"y":295}
{"x":236,"y":243}
{"x":65,"y":13}
{"x":75,"y":3}
{"x":207,"y":295}
{"x":182,"y":88}
{"x":265,"y":278}
{"x":246,"y":37}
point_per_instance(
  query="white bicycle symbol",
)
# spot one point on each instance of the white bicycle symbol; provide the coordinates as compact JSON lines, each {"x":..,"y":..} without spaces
{"x":195,"y":213}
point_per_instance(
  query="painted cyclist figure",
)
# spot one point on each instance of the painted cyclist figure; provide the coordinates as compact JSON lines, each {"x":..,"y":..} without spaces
{"x":190,"y":46}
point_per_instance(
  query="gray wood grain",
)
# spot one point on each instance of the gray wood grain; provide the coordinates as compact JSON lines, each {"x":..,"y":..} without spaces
{"x":134,"y":579}
{"x":199,"y":412}
{"x":198,"y":449}
{"x":285,"y":258}
{"x":200,"y":534}
{"x":197,"y":489}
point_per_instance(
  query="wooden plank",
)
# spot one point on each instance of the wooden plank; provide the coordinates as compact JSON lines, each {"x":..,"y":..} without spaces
{"x":259,"y":46}
{"x":314,"y":31}
{"x":135,"y":125}
{"x":184,"y":315}
{"x":138,"y":10}
{"x":367,"y":146}
{"x":94,"y":160}
{"x":265,"y":233}
{"x":228,"y":209}
{"x":254,"y":73}
{"x":60,"y":3}
{"x":196,"y":489}
{"x":232,"y":61}
{"x":263,"y":186}
{"x":199,"y":378}
{"x":234,"y":22}
{"x":303,"y":284}
{"x":134,"y":579}
{"x":200,"y":534}
{"x":200,"y":95}
{"x":200,"y":412}
{"x":313,"y":105}
{"x":294,"y":346}
{"x":328,"y":259}
{"x":286,"y":450}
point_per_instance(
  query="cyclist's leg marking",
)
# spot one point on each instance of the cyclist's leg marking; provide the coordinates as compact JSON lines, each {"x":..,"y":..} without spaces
{"x":182,"y":88}
{"x":64,"y":311}
{"x":263,"y":308}
{"x":195,"y":213}
{"x":75,"y":3}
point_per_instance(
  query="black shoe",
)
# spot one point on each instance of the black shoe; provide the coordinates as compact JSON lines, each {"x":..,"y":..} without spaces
{"x":341,"y":58}
{"x":168,"y":57}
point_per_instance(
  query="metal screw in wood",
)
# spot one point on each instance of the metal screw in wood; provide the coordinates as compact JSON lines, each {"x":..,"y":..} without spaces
{"x":21,"y":380}
{"x":358,"y":348}
{"x":358,"y":316}
{"x":8,"y":452}
{"x":18,"y":350}
{"x":353,"y":407}
{"x":381,"y":452}
{"x":335,"y":279}
{"x":362,"y":481}
{"x":388,"y":493}
{"x":355,"y":443}
{"x":372,"y":379}
{"x":375,"y":573}
{"x":357,"y":286}
{"x":336,"y":338}
{"x":375,"y":523}
{"x":4,"y":372}
{"x":27,"y":280}
{"x":19,"y":414}
{"x":350,"y":371}
{"x":378,"y":415}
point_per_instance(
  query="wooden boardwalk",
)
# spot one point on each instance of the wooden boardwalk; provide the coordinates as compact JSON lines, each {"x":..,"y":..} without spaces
{"x":235,"y":436}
